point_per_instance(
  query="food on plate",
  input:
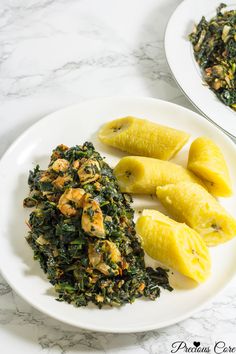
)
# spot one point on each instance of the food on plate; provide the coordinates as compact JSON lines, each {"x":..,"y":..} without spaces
{"x":136,"y":174}
{"x":190,"y":203}
{"x":207,"y":162}
{"x":142,"y":137}
{"x":82,"y":232}
{"x":214,"y":45}
{"x":174,"y":244}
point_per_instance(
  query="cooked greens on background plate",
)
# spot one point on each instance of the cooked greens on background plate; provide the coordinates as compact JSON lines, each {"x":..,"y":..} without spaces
{"x":214,"y":45}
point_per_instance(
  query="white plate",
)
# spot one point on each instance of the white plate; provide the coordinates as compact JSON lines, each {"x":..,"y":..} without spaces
{"x":179,"y":54}
{"x":75,"y":125}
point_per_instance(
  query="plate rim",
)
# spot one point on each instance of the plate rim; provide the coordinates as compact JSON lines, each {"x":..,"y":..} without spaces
{"x":178,"y":82}
{"x":90,"y":327}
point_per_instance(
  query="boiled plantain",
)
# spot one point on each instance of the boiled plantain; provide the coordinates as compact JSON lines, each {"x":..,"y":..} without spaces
{"x":136,"y":174}
{"x":142,"y":137}
{"x":190,"y":203}
{"x":174,"y":244}
{"x":207,"y":161}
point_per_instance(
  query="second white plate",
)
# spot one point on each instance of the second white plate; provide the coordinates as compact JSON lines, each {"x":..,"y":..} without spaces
{"x":179,"y":54}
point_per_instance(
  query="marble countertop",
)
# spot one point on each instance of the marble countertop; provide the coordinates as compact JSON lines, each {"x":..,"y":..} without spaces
{"x":55,"y":53}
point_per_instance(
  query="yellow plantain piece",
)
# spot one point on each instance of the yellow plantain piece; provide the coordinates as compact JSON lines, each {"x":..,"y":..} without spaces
{"x":141,"y":175}
{"x":207,"y":162}
{"x":142,"y":137}
{"x":190,"y":203}
{"x":174,"y":244}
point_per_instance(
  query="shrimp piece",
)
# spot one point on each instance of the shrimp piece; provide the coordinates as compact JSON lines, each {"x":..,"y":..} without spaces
{"x":89,"y":171}
{"x":98,"y":186}
{"x":76,"y":164}
{"x":46,"y":177}
{"x":60,"y":165}
{"x":60,"y":181}
{"x":92,"y":218}
{"x":96,"y":258}
{"x":75,"y":195}
{"x":111,"y":248}
{"x":57,"y":153}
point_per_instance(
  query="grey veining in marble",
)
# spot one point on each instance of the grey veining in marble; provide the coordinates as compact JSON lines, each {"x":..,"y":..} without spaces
{"x":55,"y":53}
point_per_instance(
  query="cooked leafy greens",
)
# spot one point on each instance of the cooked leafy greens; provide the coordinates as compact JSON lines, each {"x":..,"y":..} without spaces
{"x":82,"y":232}
{"x":214,"y":44}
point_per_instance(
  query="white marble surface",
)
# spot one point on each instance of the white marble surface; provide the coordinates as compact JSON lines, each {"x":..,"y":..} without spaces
{"x":57,"y":52}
